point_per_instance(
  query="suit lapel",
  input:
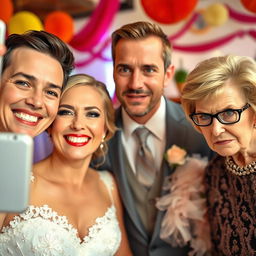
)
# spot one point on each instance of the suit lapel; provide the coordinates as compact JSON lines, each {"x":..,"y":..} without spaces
{"x":172,"y":137}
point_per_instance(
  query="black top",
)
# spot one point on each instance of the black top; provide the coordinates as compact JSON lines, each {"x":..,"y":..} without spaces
{"x":232,"y":210}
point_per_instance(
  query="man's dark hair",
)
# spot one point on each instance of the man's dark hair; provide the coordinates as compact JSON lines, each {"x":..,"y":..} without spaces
{"x":43,"y":42}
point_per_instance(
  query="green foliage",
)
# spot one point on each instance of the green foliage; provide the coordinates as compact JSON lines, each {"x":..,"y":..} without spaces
{"x":180,"y":76}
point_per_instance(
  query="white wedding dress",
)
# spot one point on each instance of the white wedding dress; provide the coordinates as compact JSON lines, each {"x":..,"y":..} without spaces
{"x":40,"y":231}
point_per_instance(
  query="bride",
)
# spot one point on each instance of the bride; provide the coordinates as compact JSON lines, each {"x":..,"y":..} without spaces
{"x":74,"y":210}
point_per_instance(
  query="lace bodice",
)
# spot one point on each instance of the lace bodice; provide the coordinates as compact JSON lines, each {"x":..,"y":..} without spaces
{"x":40,"y":231}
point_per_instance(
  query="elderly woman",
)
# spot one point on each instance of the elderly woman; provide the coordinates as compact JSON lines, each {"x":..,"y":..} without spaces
{"x":220,"y":99}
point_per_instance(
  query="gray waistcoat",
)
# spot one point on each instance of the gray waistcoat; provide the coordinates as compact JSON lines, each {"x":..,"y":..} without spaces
{"x":145,"y":199}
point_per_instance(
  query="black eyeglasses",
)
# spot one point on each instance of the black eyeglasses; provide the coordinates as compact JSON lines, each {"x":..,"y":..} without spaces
{"x":228,"y":116}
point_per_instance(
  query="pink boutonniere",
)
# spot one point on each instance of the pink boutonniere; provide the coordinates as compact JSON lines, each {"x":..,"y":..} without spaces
{"x":185,"y":221}
{"x":175,"y":155}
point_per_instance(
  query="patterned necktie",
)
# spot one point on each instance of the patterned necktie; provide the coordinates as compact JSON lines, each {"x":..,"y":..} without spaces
{"x":145,"y":165}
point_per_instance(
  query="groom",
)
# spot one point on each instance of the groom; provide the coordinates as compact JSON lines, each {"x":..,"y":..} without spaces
{"x":142,"y":68}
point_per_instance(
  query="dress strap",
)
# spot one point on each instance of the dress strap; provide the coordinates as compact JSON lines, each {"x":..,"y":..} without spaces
{"x":107,"y":179}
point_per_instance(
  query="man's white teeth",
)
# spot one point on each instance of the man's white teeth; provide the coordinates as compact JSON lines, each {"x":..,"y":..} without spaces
{"x":77,"y":139}
{"x":26,"y":117}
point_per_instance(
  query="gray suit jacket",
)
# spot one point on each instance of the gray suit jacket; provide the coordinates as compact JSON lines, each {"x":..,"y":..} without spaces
{"x":179,"y":132}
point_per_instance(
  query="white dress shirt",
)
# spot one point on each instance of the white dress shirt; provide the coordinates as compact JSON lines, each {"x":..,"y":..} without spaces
{"x":156,"y":140}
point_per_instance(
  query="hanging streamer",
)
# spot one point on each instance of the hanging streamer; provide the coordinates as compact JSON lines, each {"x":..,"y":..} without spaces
{"x":241,"y":16}
{"x":91,"y":34}
{"x":95,"y":55}
{"x":213,"y":44}
{"x":185,"y":27}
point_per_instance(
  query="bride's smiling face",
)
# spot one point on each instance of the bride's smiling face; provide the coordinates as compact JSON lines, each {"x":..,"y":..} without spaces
{"x":79,"y":127}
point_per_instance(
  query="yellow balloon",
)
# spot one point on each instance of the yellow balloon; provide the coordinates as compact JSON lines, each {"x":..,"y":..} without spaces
{"x":215,"y":14}
{"x":24,"y":21}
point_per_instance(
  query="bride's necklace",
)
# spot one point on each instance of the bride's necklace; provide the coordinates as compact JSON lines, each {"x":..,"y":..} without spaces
{"x":237,"y":170}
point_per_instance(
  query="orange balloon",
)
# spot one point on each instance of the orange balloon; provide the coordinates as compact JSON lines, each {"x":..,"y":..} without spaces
{"x":6,"y":10}
{"x":60,"y":24}
{"x":168,"y":11}
{"x":249,"y":5}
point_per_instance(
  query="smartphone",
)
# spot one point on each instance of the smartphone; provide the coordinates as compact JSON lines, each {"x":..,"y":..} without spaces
{"x":16,"y":158}
{"x":2,"y":39}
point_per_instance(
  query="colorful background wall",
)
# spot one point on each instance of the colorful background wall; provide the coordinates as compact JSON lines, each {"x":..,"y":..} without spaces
{"x":198,"y":29}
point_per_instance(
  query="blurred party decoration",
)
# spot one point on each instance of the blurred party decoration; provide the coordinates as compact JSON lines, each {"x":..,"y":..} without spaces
{"x":75,"y":8}
{"x":210,"y":45}
{"x":60,"y":24}
{"x":216,"y":14}
{"x":23,"y":21}
{"x":91,"y":34}
{"x":200,"y":26}
{"x":180,"y":76}
{"x":168,"y":11}
{"x":241,"y":17}
{"x":250,"y":5}
{"x":93,"y":54}
{"x":215,"y":43}
{"x":6,"y":10}
{"x":185,"y":28}
{"x":98,"y":51}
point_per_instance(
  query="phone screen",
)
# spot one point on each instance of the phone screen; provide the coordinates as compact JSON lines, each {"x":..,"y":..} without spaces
{"x":16,"y":154}
{"x":2,"y":40}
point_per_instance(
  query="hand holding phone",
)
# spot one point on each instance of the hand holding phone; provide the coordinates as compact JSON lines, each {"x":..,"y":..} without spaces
{"x":16,"y":158}
{"x":2,"y":40}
